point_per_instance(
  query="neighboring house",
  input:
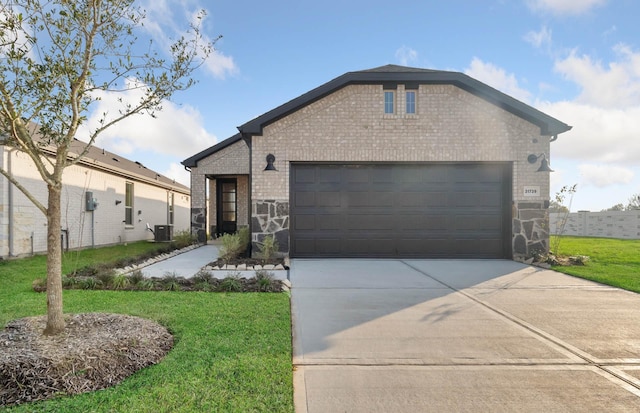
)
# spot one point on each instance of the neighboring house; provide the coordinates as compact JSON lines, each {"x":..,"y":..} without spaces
{"x":106,"y":199}
{"x":388,"y":162}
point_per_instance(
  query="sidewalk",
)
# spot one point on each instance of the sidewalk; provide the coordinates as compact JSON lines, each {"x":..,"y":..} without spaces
{"x":184,"y":265}
{"x":191,"y":262}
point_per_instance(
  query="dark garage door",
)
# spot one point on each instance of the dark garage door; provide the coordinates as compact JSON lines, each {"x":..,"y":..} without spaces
{"x":401,"y":210}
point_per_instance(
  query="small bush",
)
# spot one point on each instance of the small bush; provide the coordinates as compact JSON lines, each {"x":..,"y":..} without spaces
{"x":203,"y":286}
{"x":204,"y":276}
{"x":90,"y":283}
{"x":39,"y":285}
{"x":145,"y":284}
{"x":265,"y":280}
{"x":183,"y":239}
{"x":231,"y":283}
{"x":269,"y":247}
{"x":579,"y":260}
{"x":136,"y":277}
{"x":234,"y":244}
{"x":170,"y":282}
{"x":106,"y":276}
{"x":69,"y":282}
{"x":120,"y":281}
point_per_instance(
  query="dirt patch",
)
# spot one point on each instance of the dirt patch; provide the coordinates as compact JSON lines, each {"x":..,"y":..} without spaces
{"x":95,"y":351}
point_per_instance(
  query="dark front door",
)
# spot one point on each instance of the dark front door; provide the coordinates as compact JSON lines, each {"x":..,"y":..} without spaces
{"x":227,"y":206}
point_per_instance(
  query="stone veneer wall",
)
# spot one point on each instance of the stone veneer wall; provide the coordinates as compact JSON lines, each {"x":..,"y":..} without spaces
{"x":530,"y":229}
{"x":270,"y":218}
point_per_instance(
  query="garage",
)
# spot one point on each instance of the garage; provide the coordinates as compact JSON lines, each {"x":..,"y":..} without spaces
{"x":392,"y":210}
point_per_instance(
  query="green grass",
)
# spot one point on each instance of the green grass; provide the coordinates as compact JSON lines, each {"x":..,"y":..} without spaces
{"x":232,"y":352}
{"x":613,"y":262}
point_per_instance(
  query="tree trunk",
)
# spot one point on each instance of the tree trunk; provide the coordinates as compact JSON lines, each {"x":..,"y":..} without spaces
{"x":55,"y":318}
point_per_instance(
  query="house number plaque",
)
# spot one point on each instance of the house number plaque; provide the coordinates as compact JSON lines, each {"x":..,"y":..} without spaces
{"x":531,"y":191}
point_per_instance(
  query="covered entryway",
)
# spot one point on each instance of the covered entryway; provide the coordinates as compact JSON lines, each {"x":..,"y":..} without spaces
{"x":433,"y":210}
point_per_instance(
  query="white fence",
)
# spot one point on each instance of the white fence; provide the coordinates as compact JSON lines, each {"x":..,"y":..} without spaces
{"x":609,"y":224}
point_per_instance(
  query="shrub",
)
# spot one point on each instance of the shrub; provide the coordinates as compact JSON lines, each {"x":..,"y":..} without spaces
{"x":170,"y":282}
{"x":136,"y":277}
{"x":234,"y":244}
{"x":90,"y":283}
{"x":579,"y":259}
{"x":105,"y":276}
{"x":39,"y":285}
{"x":203,"y":276}
{"x":231,"y":283}
{"x":269,"y":247}
{"x":265,"y":280}
{"x":145,"y":284}
{"x":203,"y":286}
{"x":183,"y":239}
{"x":69,"y":282}
{"x":120,"y":281}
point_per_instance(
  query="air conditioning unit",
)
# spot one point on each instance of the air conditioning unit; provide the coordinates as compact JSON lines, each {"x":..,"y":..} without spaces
{"x":163,"y":233}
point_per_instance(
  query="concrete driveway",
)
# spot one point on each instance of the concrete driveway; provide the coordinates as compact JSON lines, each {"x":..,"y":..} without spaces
{"x":460,"y":336}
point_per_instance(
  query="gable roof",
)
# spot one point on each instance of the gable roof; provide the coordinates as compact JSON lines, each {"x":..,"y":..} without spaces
{"x":98,"y":158}
{"x":115,"y":164}
{"x":394,"y":74}
{"x":193,"y":161}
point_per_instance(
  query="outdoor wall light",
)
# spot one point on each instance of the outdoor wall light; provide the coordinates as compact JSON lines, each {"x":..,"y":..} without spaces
{"x":118,"y":202}
{"x":270,"y":160}
{"x":544,"y":164}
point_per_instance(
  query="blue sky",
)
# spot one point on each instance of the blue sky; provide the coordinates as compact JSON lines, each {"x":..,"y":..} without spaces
{"x":577,"y":60}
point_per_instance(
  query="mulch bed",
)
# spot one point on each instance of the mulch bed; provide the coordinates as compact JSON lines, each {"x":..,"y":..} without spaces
{"x":248,"y":261}
{"x":95,"y":351}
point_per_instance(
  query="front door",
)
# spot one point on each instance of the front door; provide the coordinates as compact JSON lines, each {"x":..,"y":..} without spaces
{"x":227,"y":206}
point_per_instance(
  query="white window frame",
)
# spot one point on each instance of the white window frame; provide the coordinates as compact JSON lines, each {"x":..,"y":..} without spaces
{"x":128,"y":204}
{"x":413,"y":105}
{"x":389,"y":105}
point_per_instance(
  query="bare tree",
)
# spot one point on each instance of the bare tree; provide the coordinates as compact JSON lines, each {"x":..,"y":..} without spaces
{"x":55,"y":57}
{"x":634,"y":202}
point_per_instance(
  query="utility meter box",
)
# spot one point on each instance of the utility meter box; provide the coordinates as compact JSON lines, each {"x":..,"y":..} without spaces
{"x":90,"y":202}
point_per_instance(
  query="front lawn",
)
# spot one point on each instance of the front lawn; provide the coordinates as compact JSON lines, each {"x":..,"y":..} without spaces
{"x":613,"y":262}
{"x":232,"y":351}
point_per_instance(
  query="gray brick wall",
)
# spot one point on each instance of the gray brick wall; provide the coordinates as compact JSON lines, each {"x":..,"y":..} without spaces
{"x":232,"y":160}
{"x":450,"y":125}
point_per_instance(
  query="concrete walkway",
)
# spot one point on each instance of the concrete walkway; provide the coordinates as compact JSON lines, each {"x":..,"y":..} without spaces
{"x":191,"y":262}
{"x":460,"y":336}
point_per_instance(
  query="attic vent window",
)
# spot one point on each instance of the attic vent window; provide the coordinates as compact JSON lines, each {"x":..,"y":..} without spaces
{"x":389,"y":102}
{"x":410,"y":102}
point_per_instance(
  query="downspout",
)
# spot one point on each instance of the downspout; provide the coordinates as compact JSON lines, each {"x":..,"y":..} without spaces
{"x":248,"y":141}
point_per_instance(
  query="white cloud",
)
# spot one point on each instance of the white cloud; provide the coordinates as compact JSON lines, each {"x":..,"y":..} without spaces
{"x":175,"y":130}
{"x":616,"y":85}
{"x":406,"y":55}
{"x":164,"y":25}
{"x":539,"y":39}
{"x":178,"y":173}
{"x":565,"y":7}
{"x":598,"y":134}
{"x":497,"y":78}
{"x":606,"y":113}
{"x":604,"y":175}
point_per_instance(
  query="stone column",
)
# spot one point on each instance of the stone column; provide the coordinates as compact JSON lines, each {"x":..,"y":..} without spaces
{"x":198,"y":205}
